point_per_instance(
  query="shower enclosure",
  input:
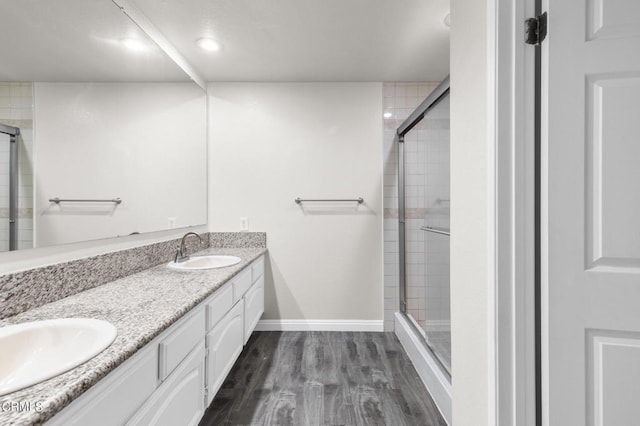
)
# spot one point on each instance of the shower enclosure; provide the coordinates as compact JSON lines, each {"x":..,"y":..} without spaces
{"x":424,"y":201}
{"x":9,"y":187}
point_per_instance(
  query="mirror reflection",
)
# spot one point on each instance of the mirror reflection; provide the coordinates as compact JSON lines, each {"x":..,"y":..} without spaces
{"x":101,"y":134}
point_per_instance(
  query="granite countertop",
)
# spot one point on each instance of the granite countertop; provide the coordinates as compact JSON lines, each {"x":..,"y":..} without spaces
{"x":141,"y":306}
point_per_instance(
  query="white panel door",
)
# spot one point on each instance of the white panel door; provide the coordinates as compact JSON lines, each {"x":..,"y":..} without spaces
{"x":224,"y":345}
{"x":591,"y":213}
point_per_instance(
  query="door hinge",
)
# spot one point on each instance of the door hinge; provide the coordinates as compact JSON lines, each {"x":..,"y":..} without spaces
{"x":535,"y":29}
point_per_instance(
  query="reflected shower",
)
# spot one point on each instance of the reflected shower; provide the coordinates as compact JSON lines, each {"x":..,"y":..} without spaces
{"x":12,"y":184}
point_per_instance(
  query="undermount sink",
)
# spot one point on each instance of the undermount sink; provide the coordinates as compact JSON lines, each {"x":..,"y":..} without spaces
{"x":196,"y":263}
{"x":33,"y":352}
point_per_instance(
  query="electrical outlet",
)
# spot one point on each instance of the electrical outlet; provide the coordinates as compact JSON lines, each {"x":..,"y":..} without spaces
{"x":244,"y":224}
{"x":171,"y":222}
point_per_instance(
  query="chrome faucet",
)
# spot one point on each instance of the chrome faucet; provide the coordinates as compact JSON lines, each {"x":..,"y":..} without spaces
{"x":181,"y":254}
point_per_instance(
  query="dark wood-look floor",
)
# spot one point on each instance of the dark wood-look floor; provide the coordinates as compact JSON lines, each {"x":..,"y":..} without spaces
{"x":323,"y":378}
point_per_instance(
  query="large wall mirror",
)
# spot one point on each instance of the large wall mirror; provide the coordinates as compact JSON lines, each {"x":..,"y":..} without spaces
{"x":101,"y":133}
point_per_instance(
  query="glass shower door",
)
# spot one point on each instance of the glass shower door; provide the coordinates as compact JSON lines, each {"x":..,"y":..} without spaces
{"x":4,"y":191}
{"x":437,"y":232}
{"x":426,"y":168}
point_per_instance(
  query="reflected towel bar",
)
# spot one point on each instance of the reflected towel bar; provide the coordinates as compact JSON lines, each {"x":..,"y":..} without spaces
{"x":441,"y":231}
{"x":353,"y":200}
{"x":62,"y":200}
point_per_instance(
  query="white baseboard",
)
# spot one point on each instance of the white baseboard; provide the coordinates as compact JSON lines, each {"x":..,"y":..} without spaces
{"x":320,"y":325}
{"x":426,"y":365}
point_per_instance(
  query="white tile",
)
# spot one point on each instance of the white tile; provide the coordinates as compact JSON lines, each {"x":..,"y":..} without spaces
{"x":390,"y":257}
{"x":391,"y":235}
{"x":392,"y":280}
{"x":391,"y":292}
{"x":390,"y":246}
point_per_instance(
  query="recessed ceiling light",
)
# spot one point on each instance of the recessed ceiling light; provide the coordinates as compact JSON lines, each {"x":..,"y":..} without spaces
{"x":134,"y":44}
{"x":387,"y":114}
{"x":447,"y":20}
{"x":209,"y":44}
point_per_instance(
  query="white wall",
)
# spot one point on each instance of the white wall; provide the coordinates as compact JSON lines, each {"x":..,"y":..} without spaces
{"x":142,"y":142}
{"x":471,"y":302}
{"x":273,"y":142}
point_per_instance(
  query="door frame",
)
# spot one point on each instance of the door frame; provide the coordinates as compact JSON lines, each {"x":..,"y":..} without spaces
{"x":511,"y":237}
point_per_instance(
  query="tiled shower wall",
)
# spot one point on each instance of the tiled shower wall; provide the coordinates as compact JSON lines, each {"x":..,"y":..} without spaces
{"x":400,"y":100}
{"x":16,"y":109}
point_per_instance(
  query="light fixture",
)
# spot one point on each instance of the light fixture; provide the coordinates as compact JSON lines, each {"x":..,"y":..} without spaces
{"x":209,"y":44}
{"x":134,"y":44}
{"x":447,"y":20}
{"x":387,"y":114}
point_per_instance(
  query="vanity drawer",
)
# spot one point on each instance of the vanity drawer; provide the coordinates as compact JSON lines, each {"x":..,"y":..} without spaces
{"x":218,"y":305}
{"x":175,"y":347}
{"x":241,"y":284}
{"x":257,"y":269}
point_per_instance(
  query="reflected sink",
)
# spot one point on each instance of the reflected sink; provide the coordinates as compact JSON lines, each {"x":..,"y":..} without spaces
{"x":196,"y":263}
{"x":33,"y":352}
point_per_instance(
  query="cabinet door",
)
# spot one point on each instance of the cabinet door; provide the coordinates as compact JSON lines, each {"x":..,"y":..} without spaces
{"x":224,"y":345}
{"x":253,"y":307}
{"x":180,"y":398}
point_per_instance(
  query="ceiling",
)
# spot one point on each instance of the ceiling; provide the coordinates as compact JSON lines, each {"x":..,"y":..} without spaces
{"x":76,"y":40}
{"x":309,"y":40}
{"x":263,"y":40}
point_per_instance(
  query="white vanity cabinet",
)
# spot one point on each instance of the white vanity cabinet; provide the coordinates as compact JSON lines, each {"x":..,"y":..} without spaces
{"x":172,"y":379}
{"x":226,"y":340}
{"x":224,"y":345}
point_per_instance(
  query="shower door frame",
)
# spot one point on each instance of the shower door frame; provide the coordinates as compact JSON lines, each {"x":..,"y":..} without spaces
{"x":14,"y":133}
{"x":416,"y":116}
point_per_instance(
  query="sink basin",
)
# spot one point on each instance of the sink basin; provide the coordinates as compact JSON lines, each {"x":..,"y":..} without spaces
{"x":196,"y":263}
{"x":36,"y":351}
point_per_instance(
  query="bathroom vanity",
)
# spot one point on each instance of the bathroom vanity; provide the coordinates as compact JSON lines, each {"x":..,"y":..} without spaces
{"x":179,"y":334}
{"x":173,"y":378}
